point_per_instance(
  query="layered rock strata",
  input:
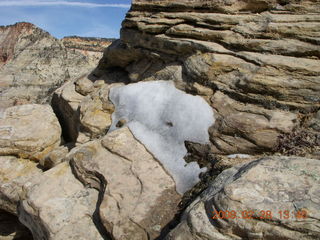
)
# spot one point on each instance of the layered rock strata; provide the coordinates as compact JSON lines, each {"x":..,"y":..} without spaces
{"x":33,"y":63}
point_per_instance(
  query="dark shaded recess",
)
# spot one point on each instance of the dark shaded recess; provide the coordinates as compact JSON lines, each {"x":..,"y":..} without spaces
{"x":4,"y":57}
{"x":110,"y":75}
{"x":68,"y":119}
{"x":10,"y":225}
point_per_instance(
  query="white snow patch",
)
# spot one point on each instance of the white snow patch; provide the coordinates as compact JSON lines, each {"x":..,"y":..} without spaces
{"x":163,"y":118}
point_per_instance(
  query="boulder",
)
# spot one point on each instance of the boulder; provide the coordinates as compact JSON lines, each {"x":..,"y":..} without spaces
{"x":83,"y":116}
{"x":95,"y":112}
{"x":84,"y":86}
{"x":29,"y":131}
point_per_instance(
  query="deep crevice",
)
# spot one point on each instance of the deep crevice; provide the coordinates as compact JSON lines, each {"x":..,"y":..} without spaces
{"x":11,"y":226}
{"x":96,"y":217}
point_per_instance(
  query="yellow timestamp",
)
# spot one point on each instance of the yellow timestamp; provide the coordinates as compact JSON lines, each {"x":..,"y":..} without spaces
{"x":263,"y":214}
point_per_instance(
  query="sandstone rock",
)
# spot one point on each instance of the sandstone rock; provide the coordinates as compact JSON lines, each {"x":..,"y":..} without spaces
{"x":83,"y":117}
{"x":55,"y":157}
{"x":95,"y":112}
{"x":57,"y":206}
{"x":84,"y":86}
{"x":34,"y":64}
{"x":247,"y":128}
{"x":227,"y":6}
{"x":281,"y":80}
{"x":118,"y":54}
{"x":255,"y":62}
{"x":138,"y":196}
{"x":287,"y":187}
{"x":29,"y":131}
{"x":14,"y":173}
{"x":82,"y":138}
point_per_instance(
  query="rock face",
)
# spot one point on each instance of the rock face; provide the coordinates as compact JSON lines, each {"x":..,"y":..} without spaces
{"x":254,"y":206}
{"x":33,"y":63}
{"x":256,"y":62}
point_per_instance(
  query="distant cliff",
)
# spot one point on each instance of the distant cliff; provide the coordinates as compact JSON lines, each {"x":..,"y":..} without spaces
{"x":33,"y":63}
{"x":87,"y":43}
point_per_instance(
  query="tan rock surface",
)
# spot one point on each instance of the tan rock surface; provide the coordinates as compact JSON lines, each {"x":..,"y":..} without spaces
{"x":57,"y":206}
{"x":95,"y":112}
{"x":29,"y":131}
{"x":14,"y":173}
{"x":54,"y":157}
{"x":85,"y":114}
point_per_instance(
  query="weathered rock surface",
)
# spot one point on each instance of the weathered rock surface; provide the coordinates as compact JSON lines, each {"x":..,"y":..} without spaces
{"x":84,"y":109}
{"x":29,"y":131}
{"x":33,"y":63}
{"x":14,"y":173}
{"x":247,"y":128}
{"x":138,"y":198}
{"x":249,"y":192}
{"x":57,"y":206}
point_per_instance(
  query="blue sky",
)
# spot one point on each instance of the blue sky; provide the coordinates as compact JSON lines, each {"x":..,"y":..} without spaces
{"x":88,"y":18}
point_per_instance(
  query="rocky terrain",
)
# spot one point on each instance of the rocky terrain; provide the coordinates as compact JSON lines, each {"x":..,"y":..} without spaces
{"x":88,"y":165}
{"x":33,"y":63}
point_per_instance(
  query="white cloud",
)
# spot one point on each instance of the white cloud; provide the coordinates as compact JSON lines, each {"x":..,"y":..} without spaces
{"x":61,"y":3}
